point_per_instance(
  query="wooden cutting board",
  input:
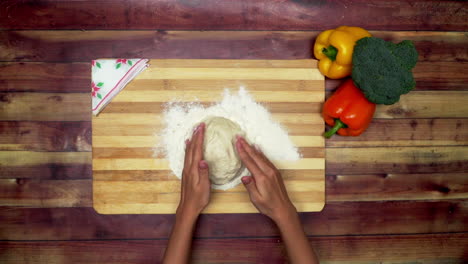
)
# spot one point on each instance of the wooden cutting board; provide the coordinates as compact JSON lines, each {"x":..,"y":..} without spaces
{"x":129,"y":179}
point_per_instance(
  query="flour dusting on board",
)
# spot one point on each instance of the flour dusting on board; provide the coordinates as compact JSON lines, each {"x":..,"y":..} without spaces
{"x":254,"y":119}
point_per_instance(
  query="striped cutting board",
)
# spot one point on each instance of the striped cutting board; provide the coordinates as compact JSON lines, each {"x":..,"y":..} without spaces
{"x":128,"y":179}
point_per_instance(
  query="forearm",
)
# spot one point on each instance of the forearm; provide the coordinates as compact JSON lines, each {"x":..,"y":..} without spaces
{"x":295,"y":240}
{"x":178,"y":248}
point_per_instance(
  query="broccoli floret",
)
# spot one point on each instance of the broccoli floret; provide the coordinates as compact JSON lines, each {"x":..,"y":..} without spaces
{"x":382,"y":70}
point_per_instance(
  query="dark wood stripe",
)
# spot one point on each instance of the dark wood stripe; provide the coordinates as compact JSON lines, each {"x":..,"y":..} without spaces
{"x":44,"y":193}
{"x":47,"y":171}
{"x":45,"y":136}
{"x":407,"y":132}
{"x":45,"y":77}
{"x":234,"y":15}
{"x":400,"y":186}
{"x":341,"y":249}
{"x":84,"y":46}
{"x":337,"y":218}
{"x":158,"y":107}
{"x":45,"y":106}
{"x":391,"y":160}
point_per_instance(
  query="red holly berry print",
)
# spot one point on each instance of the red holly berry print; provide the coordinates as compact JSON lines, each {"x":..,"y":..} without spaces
{"x":95,"y":63}
{"x":119,"y":62}
{"x":95,"y":89}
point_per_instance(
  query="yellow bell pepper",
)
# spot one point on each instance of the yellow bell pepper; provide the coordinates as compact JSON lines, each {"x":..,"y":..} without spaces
{"x":334,"y":50}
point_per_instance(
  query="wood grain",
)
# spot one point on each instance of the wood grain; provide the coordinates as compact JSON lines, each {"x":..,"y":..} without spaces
{"x":45,"y":136}
{"x":84,"y":46}
{"x":428,"y":226}
{"x":45,"y":77}
{"x":237,"y":15}
{"x":45,"y":106}
{"x":58,"y":193}
{"x":340,"y":161}
{"x":397,"y":186}
{"x":111,"y":196}
{"x":73,"y":106}
{"x":408,"y":132}
{"x":45,"y":165}
{"x":75,"y":77}
{"x":362,"y":218}
{"x":341,"y":249}
{"x":162,"y":187}
{"x":76,"y":136}
{"x":389,"y":160}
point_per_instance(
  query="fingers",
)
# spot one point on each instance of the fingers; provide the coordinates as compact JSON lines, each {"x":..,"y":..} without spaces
{"x":255,"y":156}
{"x":203,"y":171}
{"x":189,"y":148}
{"x":198,"y":147}
{"x":251,"y":186}
{"x":247,"y":159}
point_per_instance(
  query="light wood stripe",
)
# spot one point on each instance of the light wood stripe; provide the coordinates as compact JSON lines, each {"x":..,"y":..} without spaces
{"x":154,"y":195}
{"x":152,"y":141}
{"x":203,"y":63}
{"x":164,"y":175}
{"x":258,"y":85}
{"x":30,"y":158}
{"x":154,"y":188}
{"x":156,"y":73}
{"x":212,"y":208}
{"x":162,"y":164}
{"x":215,"y":96}
{"x":105,"y":119}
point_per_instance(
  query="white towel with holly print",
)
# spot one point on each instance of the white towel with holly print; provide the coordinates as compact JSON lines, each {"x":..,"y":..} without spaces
{"x":110,"y":76}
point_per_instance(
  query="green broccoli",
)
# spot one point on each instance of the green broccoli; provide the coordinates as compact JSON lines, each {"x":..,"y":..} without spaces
{"x":382,"y":70}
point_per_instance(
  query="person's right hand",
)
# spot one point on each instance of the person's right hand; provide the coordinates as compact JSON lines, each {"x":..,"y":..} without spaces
{"x":265,"y":186}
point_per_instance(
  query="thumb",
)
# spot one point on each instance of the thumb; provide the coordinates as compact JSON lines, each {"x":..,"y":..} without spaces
{"x":203,"y":170}
{"x":250,"y":185}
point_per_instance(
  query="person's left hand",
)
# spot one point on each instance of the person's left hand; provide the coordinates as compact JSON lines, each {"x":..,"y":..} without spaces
{"x":195,"y":191}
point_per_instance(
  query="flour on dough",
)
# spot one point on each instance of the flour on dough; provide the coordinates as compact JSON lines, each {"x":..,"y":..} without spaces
{"x":219,"y":149}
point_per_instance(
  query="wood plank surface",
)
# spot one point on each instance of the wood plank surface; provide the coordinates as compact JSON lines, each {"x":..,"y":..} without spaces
{"x":399,"y":194}
{"x":362,"y":218}
{"x":84,"y":46}
{"x":75,"y":77}
{"x":341,"y":249}
{"x":45,"y":136}
{"x":164,"y":188}
{"x":161,"y":195}
{"x":234,"y":15}
{"x":27,"y":106}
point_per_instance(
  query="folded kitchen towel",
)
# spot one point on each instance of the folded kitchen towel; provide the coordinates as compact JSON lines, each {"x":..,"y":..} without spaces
{"x":110,"y":76}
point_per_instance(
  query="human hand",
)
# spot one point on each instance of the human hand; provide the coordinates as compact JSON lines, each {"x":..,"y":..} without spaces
{"x":195,"y":190}
{"x":266,"y":187}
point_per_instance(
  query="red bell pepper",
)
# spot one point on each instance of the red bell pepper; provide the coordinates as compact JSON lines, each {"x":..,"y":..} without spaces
{"x":347,"y":111}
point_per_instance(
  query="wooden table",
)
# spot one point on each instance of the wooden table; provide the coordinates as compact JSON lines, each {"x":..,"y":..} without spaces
{"x":397,"y":194}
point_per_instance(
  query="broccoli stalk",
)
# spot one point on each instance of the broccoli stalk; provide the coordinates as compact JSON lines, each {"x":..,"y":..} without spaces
{"x":382,"y":70}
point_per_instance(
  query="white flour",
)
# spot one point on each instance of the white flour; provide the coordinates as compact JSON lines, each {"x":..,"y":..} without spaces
{"x":253,"y":118}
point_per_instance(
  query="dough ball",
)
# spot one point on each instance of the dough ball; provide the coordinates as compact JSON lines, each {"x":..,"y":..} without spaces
{"x":219,"y":149}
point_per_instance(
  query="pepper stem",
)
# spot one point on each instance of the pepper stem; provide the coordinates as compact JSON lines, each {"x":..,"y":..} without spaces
{"x":330,"y":52}
{"x":338,"y":124}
